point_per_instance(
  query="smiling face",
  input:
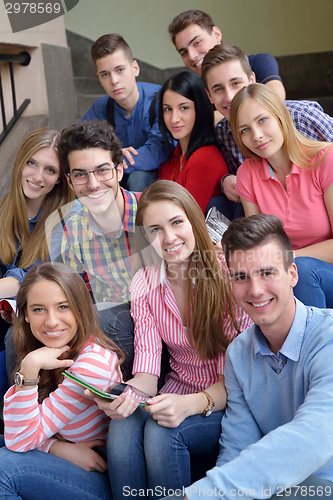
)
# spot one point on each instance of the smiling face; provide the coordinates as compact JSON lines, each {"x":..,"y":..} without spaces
{"x":194,"y":42}
{"x":169,"y":231}
{"x":39,"y":175}
{"x":51,"y":320}
{"x":178,"y":116}
{"x":260,"y":131}
{"x":117,"y":75}
{"x":224,"y":81}
{"x":98,"y":196}
{"x":264,"y":288}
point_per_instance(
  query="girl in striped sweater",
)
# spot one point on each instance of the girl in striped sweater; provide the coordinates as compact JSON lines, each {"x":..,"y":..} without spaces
{"x":56,"y":328}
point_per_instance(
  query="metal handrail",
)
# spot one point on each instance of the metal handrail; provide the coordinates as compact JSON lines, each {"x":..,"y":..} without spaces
{"x":22,"y":58}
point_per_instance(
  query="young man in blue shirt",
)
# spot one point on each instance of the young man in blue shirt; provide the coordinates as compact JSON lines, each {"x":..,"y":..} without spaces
{"x":128,"y":107}
{"x":277,"y":432}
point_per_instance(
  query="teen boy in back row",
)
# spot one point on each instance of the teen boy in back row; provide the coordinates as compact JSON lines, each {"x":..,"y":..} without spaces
{"x":193,"y":33}
{"x":127,"y":106}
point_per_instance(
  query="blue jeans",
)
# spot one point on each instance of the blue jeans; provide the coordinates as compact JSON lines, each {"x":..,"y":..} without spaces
{"x":38,"y":475}
{"x":315,"y":283}
{"x":312,"y":488}
{"x":3,"y":375}
{"x":143,"y":454}
{"x":231,"y":209}
{"x":139,"y":179}
{"x":117,"y":323}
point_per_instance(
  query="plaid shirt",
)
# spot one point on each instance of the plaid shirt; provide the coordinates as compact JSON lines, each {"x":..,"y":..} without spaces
{"x":103,"y":262}
{"x":308,"y":117}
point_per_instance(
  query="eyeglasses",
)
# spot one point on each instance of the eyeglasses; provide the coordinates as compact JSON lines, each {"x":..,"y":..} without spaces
{"x":102,"y":174}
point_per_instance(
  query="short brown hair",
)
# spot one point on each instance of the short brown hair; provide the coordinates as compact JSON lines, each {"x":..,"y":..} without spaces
{"x":246,"y":233}
{"x":180,"y":22}
{"x":108,"y":44}
{"x":222,"y":53}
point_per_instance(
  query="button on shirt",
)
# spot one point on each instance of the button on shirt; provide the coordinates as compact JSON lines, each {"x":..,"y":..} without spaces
{"x":103,"y":262}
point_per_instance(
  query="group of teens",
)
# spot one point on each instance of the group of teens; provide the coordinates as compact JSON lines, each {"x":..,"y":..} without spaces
{"x":180,"y":286}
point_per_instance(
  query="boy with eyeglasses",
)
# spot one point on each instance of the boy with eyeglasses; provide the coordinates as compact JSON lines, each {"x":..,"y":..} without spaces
{"x":98,"y":241}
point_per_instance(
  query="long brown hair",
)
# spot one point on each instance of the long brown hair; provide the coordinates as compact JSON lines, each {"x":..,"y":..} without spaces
{"x":209,"y":293}
{"x":15,"y":236}
{"x":81,"y":305}
{"x":300,"y":150}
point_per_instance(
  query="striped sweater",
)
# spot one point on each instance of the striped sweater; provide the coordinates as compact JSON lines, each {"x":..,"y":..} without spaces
{"x":67,"y":411}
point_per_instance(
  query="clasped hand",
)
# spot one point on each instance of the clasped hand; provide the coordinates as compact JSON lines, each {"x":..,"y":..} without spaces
{"x":45,"y":358}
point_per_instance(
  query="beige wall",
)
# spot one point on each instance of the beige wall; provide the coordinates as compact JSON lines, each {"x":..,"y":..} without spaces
{"x":29,"y":80}
{"x":281,"y":27}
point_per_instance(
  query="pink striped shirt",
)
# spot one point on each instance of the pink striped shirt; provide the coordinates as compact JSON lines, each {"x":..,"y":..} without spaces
{"x":156,"y":317}
{"x":67,"y":411}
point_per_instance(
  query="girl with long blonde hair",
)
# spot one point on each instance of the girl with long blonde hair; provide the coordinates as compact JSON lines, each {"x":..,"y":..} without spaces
{"x":38,"y":188}
{"x":289,"y":176}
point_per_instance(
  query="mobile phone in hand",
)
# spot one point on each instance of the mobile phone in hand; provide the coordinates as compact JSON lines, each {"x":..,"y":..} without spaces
{"x":114,"y":390}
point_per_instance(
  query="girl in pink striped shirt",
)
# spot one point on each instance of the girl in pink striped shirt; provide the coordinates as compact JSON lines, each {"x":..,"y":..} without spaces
{"x":181,"y":296}
{"x":56,"y":328}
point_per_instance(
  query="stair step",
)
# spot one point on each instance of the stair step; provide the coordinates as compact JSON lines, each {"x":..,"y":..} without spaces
{"x":87,"y":85}
{"x":84,"y":102}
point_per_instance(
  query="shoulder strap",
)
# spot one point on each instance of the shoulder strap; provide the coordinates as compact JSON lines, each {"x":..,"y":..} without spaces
{"x":152,"y":113}
{"x":110,"y":112}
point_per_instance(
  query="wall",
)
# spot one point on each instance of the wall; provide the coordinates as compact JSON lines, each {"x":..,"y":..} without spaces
{"x":42,"y":81}
{"x":281,"y":27}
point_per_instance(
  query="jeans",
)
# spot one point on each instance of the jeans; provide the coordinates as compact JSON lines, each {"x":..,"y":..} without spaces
{"x":143,"y":454}
{"x":139,"y":179}
{"x":38,"y":475}
{"x":315,"y":283}
{"x":117,"y":323}
{"x":312,"y":488}
{"x":231,"y":209}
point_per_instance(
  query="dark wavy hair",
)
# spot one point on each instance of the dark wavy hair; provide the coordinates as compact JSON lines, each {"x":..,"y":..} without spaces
{"x":89,"y":134}
{"x":190,"y":85}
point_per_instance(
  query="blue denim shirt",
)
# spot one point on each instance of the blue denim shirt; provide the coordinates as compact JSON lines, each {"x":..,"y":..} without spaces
{"x":136,"y":131}
{"x":17,"y":272}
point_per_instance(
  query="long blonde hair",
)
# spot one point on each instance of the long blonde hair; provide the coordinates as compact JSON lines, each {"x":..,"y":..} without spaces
{"x":81,"y":305}
{"x":15,"y":236}
{"x":209,"y":294}
{"x":300,"y":150}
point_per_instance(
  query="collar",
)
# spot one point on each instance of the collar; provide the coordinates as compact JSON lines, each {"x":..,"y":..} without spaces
{"x":122,"y":112}
{"x":293,"y":343}
{"x":267,"y":171}
{"x":224,"y":124}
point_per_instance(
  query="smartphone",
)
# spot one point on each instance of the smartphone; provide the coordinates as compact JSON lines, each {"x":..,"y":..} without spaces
{"x":114,"y":391}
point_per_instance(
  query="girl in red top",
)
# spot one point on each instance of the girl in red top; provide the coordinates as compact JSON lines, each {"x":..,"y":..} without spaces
{"x":186,"y":116}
